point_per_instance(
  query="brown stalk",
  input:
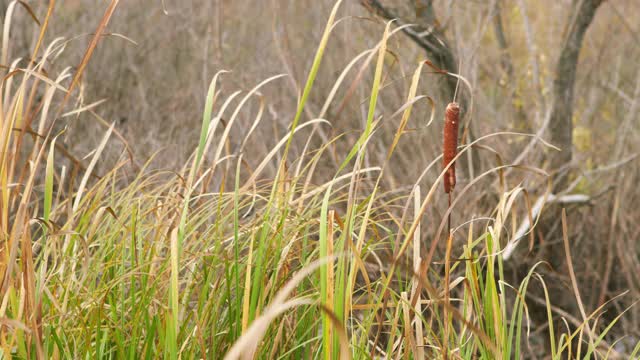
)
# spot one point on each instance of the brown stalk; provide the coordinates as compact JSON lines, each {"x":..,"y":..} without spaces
{"x":450,"y":149}
{"x":87,"y":55}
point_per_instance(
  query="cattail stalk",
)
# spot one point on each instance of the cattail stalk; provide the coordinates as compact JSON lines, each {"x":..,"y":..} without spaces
{"x":450,"y":144}
{"x":449,"y":150}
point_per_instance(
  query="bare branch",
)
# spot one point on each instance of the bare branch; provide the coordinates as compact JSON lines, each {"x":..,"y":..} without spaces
{"x":427,"y":36}
{"x":561,"y":127}
{"x":523,"y":229}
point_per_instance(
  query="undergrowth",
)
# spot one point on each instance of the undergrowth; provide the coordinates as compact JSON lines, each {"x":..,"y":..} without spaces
{"x":222,"y":258}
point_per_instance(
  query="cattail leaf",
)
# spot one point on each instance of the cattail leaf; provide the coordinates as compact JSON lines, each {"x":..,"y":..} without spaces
{"x":48,"y":182}
{"x":313,"y":73}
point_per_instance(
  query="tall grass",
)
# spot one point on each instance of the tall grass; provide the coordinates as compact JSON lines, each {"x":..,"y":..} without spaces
{"x":221,"y":259}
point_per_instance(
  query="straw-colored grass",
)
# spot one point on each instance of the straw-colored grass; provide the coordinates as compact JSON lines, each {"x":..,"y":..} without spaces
{"x":226,"y":259}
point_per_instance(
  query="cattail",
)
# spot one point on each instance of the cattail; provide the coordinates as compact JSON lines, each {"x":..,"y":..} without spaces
{"x":450,"y":144}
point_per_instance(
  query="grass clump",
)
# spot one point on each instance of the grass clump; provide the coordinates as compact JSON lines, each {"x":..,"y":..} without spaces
{"x":223,"y":258}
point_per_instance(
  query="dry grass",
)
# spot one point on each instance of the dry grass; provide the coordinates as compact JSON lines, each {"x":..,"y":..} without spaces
{"x":299,"y":217}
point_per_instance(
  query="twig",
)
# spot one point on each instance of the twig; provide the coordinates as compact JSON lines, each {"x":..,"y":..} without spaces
{"x":524,"y":228}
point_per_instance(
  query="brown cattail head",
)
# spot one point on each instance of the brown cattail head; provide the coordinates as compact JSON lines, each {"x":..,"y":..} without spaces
{"x":450,"y":144}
